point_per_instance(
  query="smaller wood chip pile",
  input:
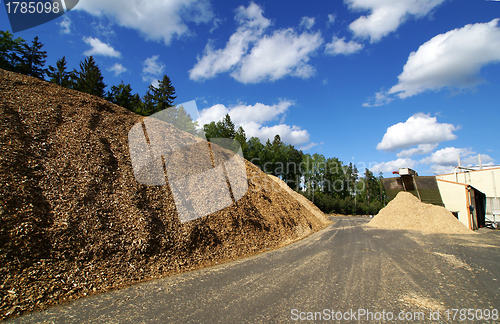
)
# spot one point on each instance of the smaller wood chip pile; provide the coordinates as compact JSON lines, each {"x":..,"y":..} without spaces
{"x":407,"y":212}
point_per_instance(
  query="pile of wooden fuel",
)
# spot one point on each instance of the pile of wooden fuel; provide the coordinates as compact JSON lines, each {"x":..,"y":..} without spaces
{"x":407,"y":212}
{"x":74,"y":221}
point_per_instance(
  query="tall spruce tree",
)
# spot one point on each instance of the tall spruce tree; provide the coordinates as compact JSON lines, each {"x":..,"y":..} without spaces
{"x":254,"y":151}
{"x":291,"y":174}
{"x":164,"y":95}
{"x":89,"y":78}
{"x":158,"y":98}
{"x":60,"y":76}
{"x":241,"y":137}
{"x":33,"y":59}
{"x":121,"y":95}
{"x":222,"y":129}
{"x":180,"y":118}
{"x":10,"y":50}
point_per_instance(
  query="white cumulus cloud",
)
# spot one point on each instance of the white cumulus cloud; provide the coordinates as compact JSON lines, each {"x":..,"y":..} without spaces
{"x":421,"y":149}
{"x":307,"y":22}
{"x":445,"y":160}
{"x":152,"y":70}
{"x":453,"y":60}
{"x":251,"y":55}
{"x":252,"y":24}
{"x":474,"y":160}
{"x":340,"y":46}
{"x":308,"y":146}
{"x":155,"y":19}
{"x":386,"y":15}
{"x":379,"y":99}
{"x":100,"y":48}
{"x":388,"y":167}
{"x":447,"y":156}
{"x":331,"y":19}
{"x":118,"y":69}
{"x":416,"y":130}
{"x":241,"y":114}
{"x":65,"y":25}
{"x":273,"y":57}
{"x":294,"y":135}
{"x":253,"y":119}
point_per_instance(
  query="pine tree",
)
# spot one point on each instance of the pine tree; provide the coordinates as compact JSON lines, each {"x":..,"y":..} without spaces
{"x":292,"y":160}
{"x":222,"y":129}
{"x":157,"y":99}
{"x":241,"y":137}
{"x":164,"y":95}
{"x":254,"y":151}
{"x":211,"y":130}
{"x":180,"y":118}
{"x":89,"y":78}
{"x":60,"y":76}
{"x":227,"y":127}
{"x":278,"y":156}
{"x":10,"y":50}
{"x":122,"y":96}
{"x":33,"y":59}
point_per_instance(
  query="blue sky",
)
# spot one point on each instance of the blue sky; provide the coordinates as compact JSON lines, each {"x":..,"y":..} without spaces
{"x":380,"y":83}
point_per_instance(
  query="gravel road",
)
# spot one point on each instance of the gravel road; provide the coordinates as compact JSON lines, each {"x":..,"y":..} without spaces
{"x":343,"y":271}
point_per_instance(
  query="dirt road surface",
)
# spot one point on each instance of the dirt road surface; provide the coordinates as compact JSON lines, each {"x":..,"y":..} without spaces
{"x":343,"y":271}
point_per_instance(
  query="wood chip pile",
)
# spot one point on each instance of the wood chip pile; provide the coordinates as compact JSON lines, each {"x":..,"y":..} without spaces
{"x":305,"y":202}
{"x":74,"y":221}
{"x":407,"y":212}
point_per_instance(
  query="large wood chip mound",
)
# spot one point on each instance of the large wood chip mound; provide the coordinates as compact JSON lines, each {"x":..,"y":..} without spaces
{"x":303,"y":200}
{"x":407,"y":212}
{"x":74,"y":221}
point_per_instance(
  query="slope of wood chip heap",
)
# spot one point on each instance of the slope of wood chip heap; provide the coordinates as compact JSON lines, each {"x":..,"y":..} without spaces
{"x":75,"y":222}
{"x":303,"y":200}
{"x":407,"y":212}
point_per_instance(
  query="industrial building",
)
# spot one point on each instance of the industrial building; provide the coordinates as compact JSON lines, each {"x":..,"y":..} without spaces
{"x":470,"y":193}
{"x":472,"y":186}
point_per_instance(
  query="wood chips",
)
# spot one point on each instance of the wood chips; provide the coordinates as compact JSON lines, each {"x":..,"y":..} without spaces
{"x":74,"y":221}
{"x":407,"y":212}
{"x":305,"y":202}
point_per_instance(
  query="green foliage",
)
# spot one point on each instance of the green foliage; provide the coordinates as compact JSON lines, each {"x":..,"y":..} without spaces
{"x":274,"y":157}
{"x":225,"y":129}
{"x":222,"y":129}
{"x":241,"y":138}
{"x":60,"y":76}
{"x":32,"y":59}
{"x":372,"y":190}
{"x":158,"y":98}
{"x":313,"y":172}
{"x":327,"y":182}
{"x":334,"y":178}
{"x":179,"y":117}
{"x":254,"y":150}
{"x":10,"y":51}
{"x":292,"y":159}
{"x":122,"y":96}
{"x":89,"y":78}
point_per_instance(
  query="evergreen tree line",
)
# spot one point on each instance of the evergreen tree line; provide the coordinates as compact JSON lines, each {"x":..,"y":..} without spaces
{"x":18,"y":56}
{"x":330,"y":184}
